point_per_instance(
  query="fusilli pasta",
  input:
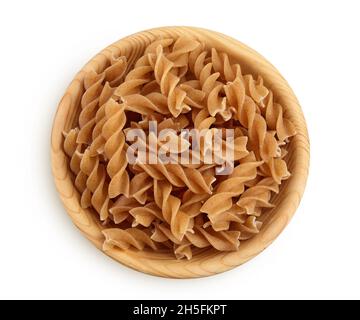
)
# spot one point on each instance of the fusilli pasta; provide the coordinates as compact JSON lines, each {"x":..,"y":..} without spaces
{"x":179,"y":207}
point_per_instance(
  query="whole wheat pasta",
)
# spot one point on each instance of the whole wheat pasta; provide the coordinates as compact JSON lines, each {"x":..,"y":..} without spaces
{"x":180,"y":207}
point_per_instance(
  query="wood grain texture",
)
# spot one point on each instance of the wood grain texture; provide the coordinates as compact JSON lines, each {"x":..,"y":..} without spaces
{"x":209,"y":261}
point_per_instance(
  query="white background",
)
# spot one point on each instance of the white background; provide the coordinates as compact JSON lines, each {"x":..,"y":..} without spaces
{"x":314,"y":44}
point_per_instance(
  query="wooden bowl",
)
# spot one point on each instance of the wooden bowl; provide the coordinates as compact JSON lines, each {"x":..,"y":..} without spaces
{"x":208,"y":262}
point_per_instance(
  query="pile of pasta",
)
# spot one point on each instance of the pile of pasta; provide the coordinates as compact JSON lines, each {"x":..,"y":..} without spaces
{"x":178,"y":208}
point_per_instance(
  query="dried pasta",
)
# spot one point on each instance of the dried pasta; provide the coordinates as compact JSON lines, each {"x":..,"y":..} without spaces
{"x":181,"y":208}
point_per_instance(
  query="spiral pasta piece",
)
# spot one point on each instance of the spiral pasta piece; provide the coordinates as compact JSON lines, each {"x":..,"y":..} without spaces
{"x":120,"y":209}
{"x":277,"y":169}
{"x":221,"y":63}
{"x":72,"y":149}
{"x":255,"y":89}
{"x":222,"y":199}
{"x":177,"y":219}
{"x":98,"y":89}
{"x":204,"y":238}
{"x":262,"y":141}
{"x":276,"y":120}
{"x":96,"y":185}
{"x":125,"y":239}
{"x":135,"y":79}
{"x":114,"y":149}
{"x":179,"y":54}
{"x":144,"y":105}
{"x":168,"y":82}
{"x":146,"y":215}
{"x":90,"y":100}
{"x":139,"y":186}
{"x":258,"y":196}
{"x":210,"y":84}
{"x":200,"y":238}
{"x":179,"y":176}
{"x":248,"y":228}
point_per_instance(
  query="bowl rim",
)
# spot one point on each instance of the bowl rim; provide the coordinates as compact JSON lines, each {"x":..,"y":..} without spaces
{"x":207,"y":263}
